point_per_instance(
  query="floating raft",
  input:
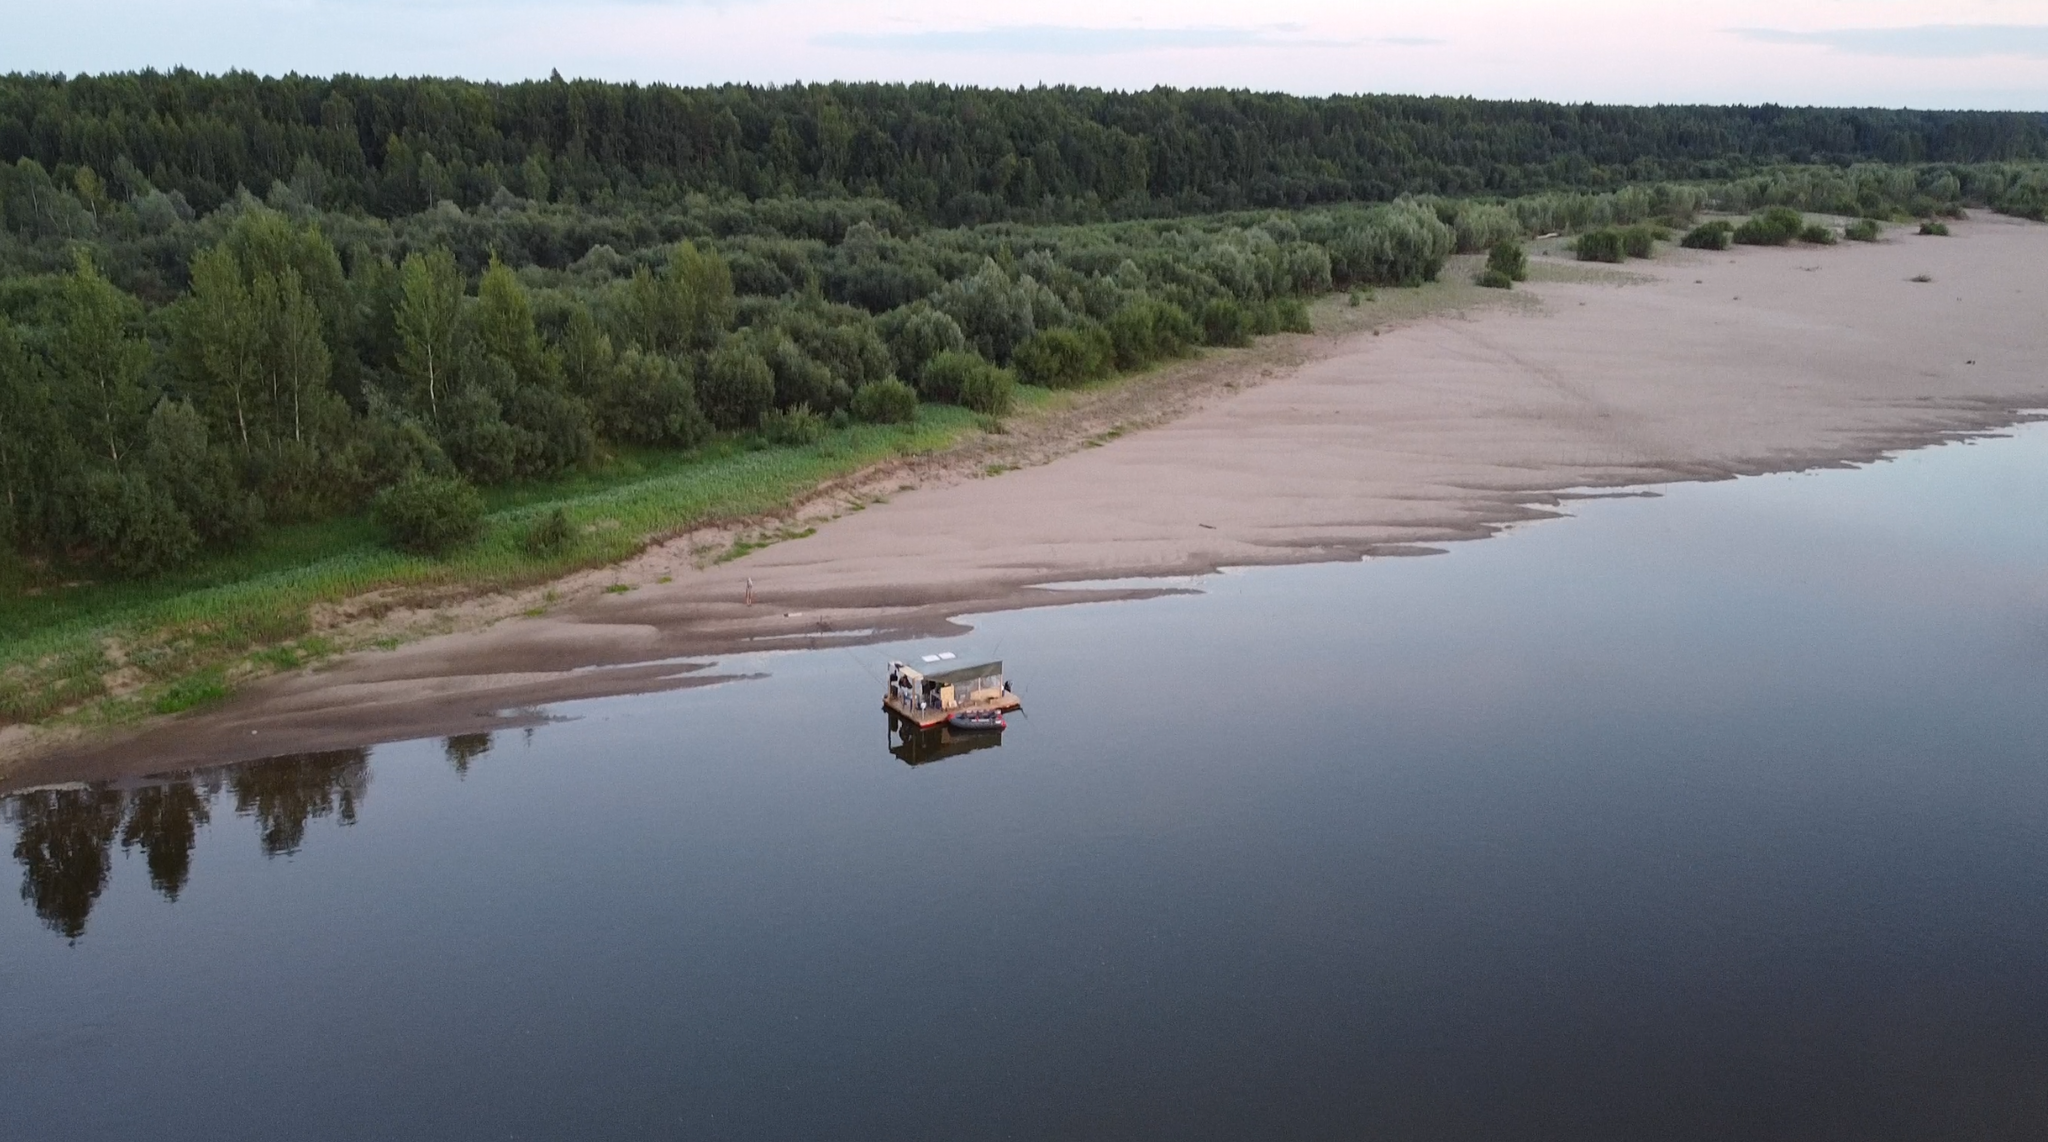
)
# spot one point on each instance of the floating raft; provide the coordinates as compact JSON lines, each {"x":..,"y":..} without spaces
{"x":926,"y":719}
{"x":929,"y":699}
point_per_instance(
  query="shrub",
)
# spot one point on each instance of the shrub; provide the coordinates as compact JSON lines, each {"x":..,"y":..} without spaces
{"x":965,"y":379}
{"x":916,"y":334}
{"x":1715,"y":235}
{"x":1494,"y":279}
{"x":887,"y":401}
{"x":134,"y":525}
{"x":1603,"y":245}
{"x":1776,"y":226}
{"x":1638,"y":241}
{"x":1063,"y":358}
{"x":1934,"y":229}
{"x":799,"y":377}
{"x":1289,"y":315}
{"x":1818,"y":235}
{"x":796,"y":427}
{"x":1863,"y":230}
{"x":989,"y":391}
{"x":649,"y":399}
{"x":550,"y":535}
{"x":1507,"y":259}
{"x":430,"y":515}
{"x":1224,"y":322}
{"x":944,"y":374}
{"x":1482,"y":225}
{"x":995,"y":313}
{"x":1401,"y":244}
{"x":1146,"y":331}
{"x":737,"y":387}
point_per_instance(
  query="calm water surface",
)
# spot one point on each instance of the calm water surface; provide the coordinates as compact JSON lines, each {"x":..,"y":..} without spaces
{"x":1718,"y":815}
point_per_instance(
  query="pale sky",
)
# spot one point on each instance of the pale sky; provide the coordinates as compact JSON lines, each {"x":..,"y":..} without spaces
{"x":1960,"y":54}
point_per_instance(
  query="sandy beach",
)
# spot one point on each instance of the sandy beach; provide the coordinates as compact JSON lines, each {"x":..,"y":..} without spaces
{"x":1693,"y":366}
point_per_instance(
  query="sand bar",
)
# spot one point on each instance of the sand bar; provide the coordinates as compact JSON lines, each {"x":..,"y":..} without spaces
{"x":1693,"y":366}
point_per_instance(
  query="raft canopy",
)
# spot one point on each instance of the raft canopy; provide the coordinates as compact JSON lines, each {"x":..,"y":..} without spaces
{"x":966,"y":674}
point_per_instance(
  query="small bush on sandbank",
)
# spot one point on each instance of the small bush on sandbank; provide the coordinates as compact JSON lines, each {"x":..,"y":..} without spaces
{"x":1508,"y":260}
{"x":1603,"y":245}
{"x":1863,"y":230}
{"x":1715,"y":235}
{"x":1777,"y":226}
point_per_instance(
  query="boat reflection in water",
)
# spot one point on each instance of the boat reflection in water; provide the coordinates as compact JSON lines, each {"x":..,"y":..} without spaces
{"x":919,"y":745}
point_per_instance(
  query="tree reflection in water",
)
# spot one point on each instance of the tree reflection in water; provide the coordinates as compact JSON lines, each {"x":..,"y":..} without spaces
{"x":465,"y":748}
{"x":283,"y":793}
{"x":163,"y":821}
{"x":64,"y":836}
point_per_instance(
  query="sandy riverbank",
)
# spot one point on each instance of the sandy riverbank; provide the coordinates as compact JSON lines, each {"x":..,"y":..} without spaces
{"x":1698,"y":366}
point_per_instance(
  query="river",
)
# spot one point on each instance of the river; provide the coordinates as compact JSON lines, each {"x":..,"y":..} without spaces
{"x":1718,"y":813}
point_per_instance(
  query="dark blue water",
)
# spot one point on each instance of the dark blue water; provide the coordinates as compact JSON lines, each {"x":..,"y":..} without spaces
{"x":1717,"y":815}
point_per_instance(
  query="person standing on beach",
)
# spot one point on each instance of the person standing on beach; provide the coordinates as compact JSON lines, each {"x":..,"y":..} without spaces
{"x":750,"y":592}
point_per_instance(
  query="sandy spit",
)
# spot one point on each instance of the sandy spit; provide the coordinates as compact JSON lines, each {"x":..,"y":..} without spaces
{"x":1694,"y":366}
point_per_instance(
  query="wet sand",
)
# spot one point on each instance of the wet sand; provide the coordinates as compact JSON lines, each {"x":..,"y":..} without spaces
{"x":1697,"y":366}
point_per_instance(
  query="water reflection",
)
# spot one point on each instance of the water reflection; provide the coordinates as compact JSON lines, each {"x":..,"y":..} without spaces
{"x":283,"y":793}
{"x":465,"y":748}
{"x":64,"y":836}
{"x":922,"y":746}
{"x":163,"y":821}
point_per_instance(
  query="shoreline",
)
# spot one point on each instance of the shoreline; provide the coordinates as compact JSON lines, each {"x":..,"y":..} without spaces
{"x":1325,"y":447}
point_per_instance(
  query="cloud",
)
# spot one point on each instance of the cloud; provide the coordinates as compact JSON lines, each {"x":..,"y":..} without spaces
{"x":1069,"y":40}
{"x":1926,"y":41}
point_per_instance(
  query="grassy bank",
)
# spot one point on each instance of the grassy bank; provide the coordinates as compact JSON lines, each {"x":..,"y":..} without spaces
{"x":116,"y":650}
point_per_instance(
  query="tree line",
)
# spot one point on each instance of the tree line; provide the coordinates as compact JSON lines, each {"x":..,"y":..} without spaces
{"x":173,"y":382}
{"x":284,"y":379}
{"x":947,"y":155}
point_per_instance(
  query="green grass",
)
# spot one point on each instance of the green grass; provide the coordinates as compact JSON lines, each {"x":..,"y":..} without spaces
{"x":193,"y":690}
{"x":189,"y":634}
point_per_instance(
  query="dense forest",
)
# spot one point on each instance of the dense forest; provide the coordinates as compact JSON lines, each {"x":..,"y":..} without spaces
{"x":944,"y":155}
{"x":229,"y":303}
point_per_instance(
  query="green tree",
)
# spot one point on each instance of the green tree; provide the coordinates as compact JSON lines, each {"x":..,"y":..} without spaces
{"x":687,"y":307}
{"x":223,"y":333}
{"x":297,"y":352}
{"x":737,"y":388}
{"x":199,"y":481}
{"x":586,"y":354}
{"x":505,"y":329}
{"x":30,"y":438}
{"x":99,"y":363}
{"x":650,"y":399}
{"x":255,"y":343}
{"x":429,"y":317}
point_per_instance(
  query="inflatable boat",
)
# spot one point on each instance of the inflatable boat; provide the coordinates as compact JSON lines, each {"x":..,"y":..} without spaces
{"x":977,"y":720}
